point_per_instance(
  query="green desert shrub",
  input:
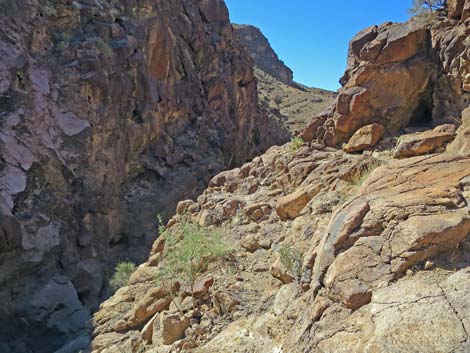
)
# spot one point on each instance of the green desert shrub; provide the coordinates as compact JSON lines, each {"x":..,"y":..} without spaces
{"x":122,"y":273}
{"x":104,"y":47}
{"x":291,"y":258}
{"x":427,"y":7}
{"x":295,"y":143}
{"x":189,"y":250}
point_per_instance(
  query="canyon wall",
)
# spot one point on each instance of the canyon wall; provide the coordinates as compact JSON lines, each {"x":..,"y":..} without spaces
{"x":111,"y":112}
{"x":353,"y":250}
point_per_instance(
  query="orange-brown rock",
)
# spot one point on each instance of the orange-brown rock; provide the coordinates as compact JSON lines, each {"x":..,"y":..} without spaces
{"x":202,"y":286}
{"x":393,"y":79}
{"x":225,"y":302}
{"x":455,"y":8}
{"x":466,"y":11}
{"x":461,"y":144}
{"x":365,"y":138}
{"x":156,"y":300}
{"x":291,"y":205}
{"x":383,"y":246}
{"x":170,"y":328}
{"x":279,"y":271}
{"x":423,"y":142}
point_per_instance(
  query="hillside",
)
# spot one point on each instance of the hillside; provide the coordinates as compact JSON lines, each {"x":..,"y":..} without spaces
{"x":288,"y":101}
{"x":295,"y":103}
{"x":264,"y":56}
{"x":150,"y":201}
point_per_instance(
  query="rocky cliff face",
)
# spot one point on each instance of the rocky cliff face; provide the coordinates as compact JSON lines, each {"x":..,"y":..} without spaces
{"x":111,"y":112}
{"x":399,"y":75}
{"x":264,"y":56}
{"x":333,"y":251}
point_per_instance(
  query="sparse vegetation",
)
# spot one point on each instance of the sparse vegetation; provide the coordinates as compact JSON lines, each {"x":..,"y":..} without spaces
{"x":427,"y":7}
{"x":297,"y":103}
{"x":291,"y":258}
{"x":295,"y":143}
{"x":122,"y":273}
{"x":104,"y":47}
{"x":363,"y":173}
{"x":188,"y":252}
{"x":357,"y":178}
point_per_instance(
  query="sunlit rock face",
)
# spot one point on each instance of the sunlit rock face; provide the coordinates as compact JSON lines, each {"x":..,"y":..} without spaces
{"x":399,"y":75}
{"x":110,"y":113}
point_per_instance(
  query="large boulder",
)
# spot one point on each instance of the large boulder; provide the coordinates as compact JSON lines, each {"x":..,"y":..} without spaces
{"x":171,"y":327}
{"x":290,"y":206}
{"x":156,"y":300}
{"x":423,"y":142}
{"x":393,"y":79}
{"x":365,"y":138}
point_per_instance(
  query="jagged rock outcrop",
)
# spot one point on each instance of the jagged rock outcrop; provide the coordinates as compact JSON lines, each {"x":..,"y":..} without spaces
{"x":399,"y":75}
{"x":405,"y":216}
{"x":335,"y":251}
{"x":110,"y":113}
{"x":264,"y":56}
{"x":244,"y":204}
{"x":426,"y":142}
{"x":362,"y":246}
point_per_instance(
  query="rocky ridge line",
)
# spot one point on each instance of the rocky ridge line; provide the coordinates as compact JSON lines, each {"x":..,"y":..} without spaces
{"x":290,"y":102}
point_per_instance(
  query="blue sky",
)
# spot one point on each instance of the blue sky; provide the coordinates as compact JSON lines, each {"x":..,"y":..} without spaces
{"x":312,"y":36}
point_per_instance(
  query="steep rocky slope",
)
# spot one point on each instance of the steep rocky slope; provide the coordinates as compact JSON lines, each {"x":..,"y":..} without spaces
{"x":294,"y":104}
{"x":334,"y":251}
{"x":111,"y":111}
{"x":264,"y":56}
{"x":288,"y":101}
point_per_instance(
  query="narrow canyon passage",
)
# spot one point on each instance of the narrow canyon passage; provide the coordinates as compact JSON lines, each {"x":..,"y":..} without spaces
{"x":294,"y":219}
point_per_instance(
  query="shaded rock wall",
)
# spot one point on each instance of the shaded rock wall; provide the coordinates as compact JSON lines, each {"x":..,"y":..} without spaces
{"x":110,"y":113}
